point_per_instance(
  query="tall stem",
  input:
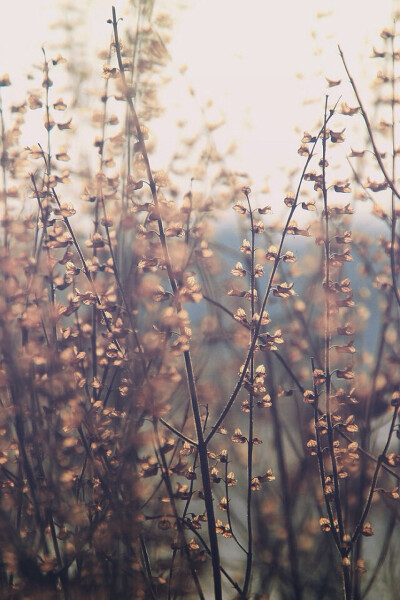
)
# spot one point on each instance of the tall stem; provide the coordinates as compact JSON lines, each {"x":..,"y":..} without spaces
{"x":202,"y":443}
{"x":271,"y":279}
{"x":250,"y":447}
{"x":327,"y":361}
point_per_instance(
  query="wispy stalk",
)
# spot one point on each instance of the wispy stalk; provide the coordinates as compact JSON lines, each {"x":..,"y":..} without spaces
{"x":389,"y":180}
{"x":202,"y":443}
{"x":372,"y":490}
{"x":3,"y":163}
{"x":250,"y":438}
{"x":287,"y":498}
{"x":327,"y":363}
{"x":320,"y":458}
{"x":271,"y":279}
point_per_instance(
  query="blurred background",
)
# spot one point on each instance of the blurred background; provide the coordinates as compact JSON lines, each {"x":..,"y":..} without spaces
{"x":262,"y":71}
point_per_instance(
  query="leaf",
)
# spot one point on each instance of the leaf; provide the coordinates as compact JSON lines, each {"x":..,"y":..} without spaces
{"x":255,"y":484}
{"x":240,"y":316}
{"x":245,"y":247}
{"x":160,"y":295}
{"x":293,"y":229}
{"x":309,"y":205}
{"x":367,"y":529}
{"x":236,"y":293}
{"x":109,"y":72}
{"x":356,"y":153}
{"x":346,"y":238}
{"x":264,"y":319}
{"x":333,"y":82}
{"x":190,"y":474}
{"x":34,"y":102}
{"x":266,"y":210}
{"x":342,"y":187}
{"x":161,"y":179}
{"x":319,"y":376}
{"x":258,"y":227}
{"x":5,"y":80}
{"x":375,"y":186}
{"x":308,"y":138}
{"x":350,"y":425}
{"x":65,"y":210}
{"x":347,"y":329}
{"x":289,"y":257}
{"x":312,"y":447}
{"x":222,"y":430}
{"x":230,"y":479}
{"x":347,"y":110}
{"x":65,"y":125}
{"x":238,"y":438}
{"x":267,"y":477}
{"x":284,"y":290}
{"x":346,"y":373}
{"x":238,"y":270}
{"x":258,"y":270}
{"x":272,"y":253}
{"x":48,"y":122}
{"x":63,"y":156}
{"x":337,"y":137}
{"x":309,"y":396}
{"x":148,"y":264}
{"x":223,"y":504}
{"x":35,"y":152}
{"x":337,"y":259}
{"x":324,"y":524}
{"x":377,"y":53}
{"x":240,"y":208}
{"x":347,"y":349}
{"x":303,"y":151}
{"x":71,"y":270}
{"x":265,"y":401}
{"x":289,"y":200}
{"x":59,"y":104}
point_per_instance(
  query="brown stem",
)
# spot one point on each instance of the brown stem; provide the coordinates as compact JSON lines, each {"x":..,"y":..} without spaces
{"x":202,"y":443}
{"x":321,"y":465}
{"x":381,"y":459}
{"x":250,"y":445}
{"x":338,"y":505}
{"x":238,"y":386}
{"x":389,"y":180}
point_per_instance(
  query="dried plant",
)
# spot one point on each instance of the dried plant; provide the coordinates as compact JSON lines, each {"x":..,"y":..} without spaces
{"x":181,"y":417}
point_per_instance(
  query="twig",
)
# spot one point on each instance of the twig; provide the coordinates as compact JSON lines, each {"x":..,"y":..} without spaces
{"x":202,"y":443}
{"x":178,"y":433}
{"x":267,"y":293}
{"x":389,"y":180}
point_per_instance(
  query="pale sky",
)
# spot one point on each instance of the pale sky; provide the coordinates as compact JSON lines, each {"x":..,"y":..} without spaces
{"x":257,"y":60}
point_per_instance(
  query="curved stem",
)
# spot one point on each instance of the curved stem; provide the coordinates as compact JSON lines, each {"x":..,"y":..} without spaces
{"x":389,"y":180}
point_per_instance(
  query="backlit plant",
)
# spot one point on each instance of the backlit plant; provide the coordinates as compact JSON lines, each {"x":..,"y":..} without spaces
{"x":183,"y":414}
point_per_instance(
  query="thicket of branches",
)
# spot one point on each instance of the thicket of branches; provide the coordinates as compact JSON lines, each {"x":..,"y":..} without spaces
{"x":180,"y":417}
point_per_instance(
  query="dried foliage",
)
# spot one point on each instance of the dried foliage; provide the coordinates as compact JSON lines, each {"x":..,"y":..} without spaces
{"x":177,"y":419}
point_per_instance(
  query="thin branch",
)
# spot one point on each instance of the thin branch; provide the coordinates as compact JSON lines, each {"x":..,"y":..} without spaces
{"x":202,"y":443}
{"x":178,"y":433}
{"x":267,"y":292}
{"x":389,"y":180}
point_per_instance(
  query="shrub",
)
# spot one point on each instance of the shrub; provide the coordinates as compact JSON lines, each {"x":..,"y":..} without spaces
{"x":179,"y":416}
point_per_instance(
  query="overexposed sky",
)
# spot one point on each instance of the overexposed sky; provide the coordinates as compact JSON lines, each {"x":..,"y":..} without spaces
{"x":260,"y":60}
{"x":257,"y":60}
